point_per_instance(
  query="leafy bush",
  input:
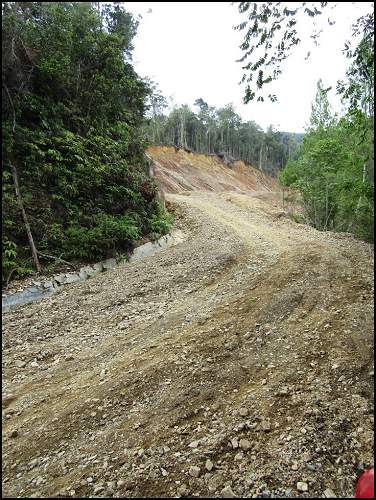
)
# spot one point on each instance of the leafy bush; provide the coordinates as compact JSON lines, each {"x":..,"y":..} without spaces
{"x":9,"y":255}
{"x":161,"y":222}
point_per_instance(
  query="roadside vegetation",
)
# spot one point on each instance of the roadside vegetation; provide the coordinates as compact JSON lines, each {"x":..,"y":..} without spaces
{"x":334,"y":166}
{"x":73,"y":108}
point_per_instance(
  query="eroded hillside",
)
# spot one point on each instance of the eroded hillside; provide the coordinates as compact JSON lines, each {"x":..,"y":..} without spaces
{"x":237,"y":363}
{"x":178,"y":170}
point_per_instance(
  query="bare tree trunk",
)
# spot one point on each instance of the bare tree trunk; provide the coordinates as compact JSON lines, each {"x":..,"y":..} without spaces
{"x":260,"y":157}
{"x":181,"y":131}
{"x":160,"y":193}
{"x":24,"y":216}
{"x":326,"y":205}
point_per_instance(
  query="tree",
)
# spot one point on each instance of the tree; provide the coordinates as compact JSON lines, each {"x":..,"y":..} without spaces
{"x":320,"y":110}
{"x":222,"y":131}
{"x":329,"y":173}
{"x":271,"y":35}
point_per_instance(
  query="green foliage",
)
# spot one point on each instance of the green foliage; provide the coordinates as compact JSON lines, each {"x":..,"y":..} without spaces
{"x":161,"y":222}
{"x":271,"y":35}
{"x":72,"y":120}
{"x":9,"y":260}
{"x":333,"y":171}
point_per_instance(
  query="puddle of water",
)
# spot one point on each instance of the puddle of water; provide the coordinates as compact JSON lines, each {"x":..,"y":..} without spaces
{"x":28,"y":295}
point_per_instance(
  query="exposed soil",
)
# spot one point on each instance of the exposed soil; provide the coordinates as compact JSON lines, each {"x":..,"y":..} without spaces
{"x":237,"y":363}
{"x":178,"y":171}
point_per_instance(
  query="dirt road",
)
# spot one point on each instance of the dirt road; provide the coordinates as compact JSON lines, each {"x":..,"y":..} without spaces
{"x":237,"y":363}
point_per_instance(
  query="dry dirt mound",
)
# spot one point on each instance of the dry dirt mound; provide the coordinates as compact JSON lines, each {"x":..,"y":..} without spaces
{"x":237,"y":363}
{"x":178,"y":170}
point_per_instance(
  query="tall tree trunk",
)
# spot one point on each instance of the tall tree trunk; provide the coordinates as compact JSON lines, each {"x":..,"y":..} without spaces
{"x":326,"y":205}
{"x":25,"y":219}
{"x":260,"y":157}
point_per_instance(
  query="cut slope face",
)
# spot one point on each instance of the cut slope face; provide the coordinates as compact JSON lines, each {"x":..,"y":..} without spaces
{"x":178,"y":171}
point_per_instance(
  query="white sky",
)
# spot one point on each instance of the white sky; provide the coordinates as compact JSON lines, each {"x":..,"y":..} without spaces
{"x":190,"y":49}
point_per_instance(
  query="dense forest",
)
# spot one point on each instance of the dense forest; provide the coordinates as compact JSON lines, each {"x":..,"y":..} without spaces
{"x":220,"y":131}
{"x":75,"y":178}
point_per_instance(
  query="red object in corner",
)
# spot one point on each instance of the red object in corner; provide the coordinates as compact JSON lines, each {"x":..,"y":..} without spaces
{"x":365,"y":486}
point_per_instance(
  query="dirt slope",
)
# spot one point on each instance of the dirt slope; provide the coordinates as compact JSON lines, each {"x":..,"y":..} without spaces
{"x":238,"y":362}
{"x":178,"y":171}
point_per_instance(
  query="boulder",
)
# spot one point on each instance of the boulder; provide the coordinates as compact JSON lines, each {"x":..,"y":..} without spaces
{"x":109,"y":263}
{"x":72,"y":278}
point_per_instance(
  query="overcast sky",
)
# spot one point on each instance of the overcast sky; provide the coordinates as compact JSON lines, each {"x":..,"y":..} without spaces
{"x":190,"y":49}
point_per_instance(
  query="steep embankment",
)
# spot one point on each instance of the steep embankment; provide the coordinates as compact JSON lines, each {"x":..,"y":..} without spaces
{"x":237,"y":363}
{"x":178,"y":170}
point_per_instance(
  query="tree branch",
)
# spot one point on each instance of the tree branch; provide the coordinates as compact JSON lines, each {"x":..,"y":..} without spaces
{"x":56,"y":258}
{"x":25,"y":219}
{"x":11,"y":103}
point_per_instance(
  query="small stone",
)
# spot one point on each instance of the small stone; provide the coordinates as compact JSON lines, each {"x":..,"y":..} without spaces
{"x":120,"y":483}
{"x":302,"y":486}
{"x":328,"y":493}
{"x":19,"y":363}
{"x":265,"y":425}
{"x":234,"y":443}
{"x":245,"y":444}
{"x":89,"y":479}
{"x":335,"y":366}
{"x":294,"y":466}
{"x":209,"y":465}
{"x":98,"y":489}
{"x":227,"y":492}
{"x":34,"y":364}
{"x":307,"y":457}
{"x":284,"y":391}
{"x":164,"y":472}
{"x":266,"y":494}
{"x":194,"y":444}
{"x":243,"y":412}
{"x":183,"y":490}
{"x":194,"y":471}
{"x":239,"y":456}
